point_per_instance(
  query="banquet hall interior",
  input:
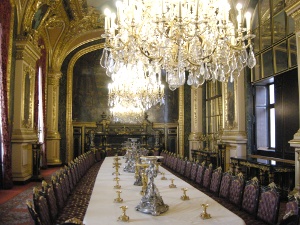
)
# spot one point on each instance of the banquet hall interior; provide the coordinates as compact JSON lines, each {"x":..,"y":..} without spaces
{"x":207,"y":88}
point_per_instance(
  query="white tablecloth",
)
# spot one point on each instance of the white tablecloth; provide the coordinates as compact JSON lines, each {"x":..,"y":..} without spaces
{"x":102,"y":209}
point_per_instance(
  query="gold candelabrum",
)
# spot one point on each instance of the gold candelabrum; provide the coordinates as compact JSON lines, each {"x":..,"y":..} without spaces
{"x":172,"y":185}
{"x":184,"y":196}
{"x":157,"y":164}
{"x":144,"y":182}
{"x":123,"y":217}
{"x":139,"y":170}
{"x":204,"y":215}
{"x":116,"y":165}
{"x":117,"y":186}
{"x":118,"y":199}
{"x":163,"y":177}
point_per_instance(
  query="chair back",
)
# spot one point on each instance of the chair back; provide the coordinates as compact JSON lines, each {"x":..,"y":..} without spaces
{"x":225,"y":184}
{"x":33,"y":213}
{"x":236,"y":189}
{"x":200,"y":173}
{"x":268,"y":206}
{"x":291,"y":213}
{"x":178,"y":165}
{"x":51,"y":200}
{"x":175,"y":162}
{"x":216,"y":180}
{"x":182,"y":166}
{"x":41,"y":207}
{"x":207,"y":176}
{"x":188,"y":167}
{"x":194,"y":171}
{"x":251,"y":196}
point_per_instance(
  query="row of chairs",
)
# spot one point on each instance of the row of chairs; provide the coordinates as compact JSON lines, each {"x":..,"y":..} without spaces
{"x":64,"y":200}
{"x":261,"y":202}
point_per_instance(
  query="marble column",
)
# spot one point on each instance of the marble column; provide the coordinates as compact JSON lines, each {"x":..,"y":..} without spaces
{"x":293,"y":9}
{"x":53,"y":136}
{"x":234,"y":134}
{"x":196,"y":117}
{"x":23,"y":132}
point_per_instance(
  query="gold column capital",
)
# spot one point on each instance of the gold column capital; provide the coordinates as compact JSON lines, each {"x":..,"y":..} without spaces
{"x":293,"y":9}
{"x":54,"y":77}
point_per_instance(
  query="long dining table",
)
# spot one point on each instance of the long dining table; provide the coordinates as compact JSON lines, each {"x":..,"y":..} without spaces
{"x":102,"y":209}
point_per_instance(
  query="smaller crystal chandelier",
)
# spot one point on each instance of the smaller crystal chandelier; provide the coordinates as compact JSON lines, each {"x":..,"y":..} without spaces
{"x":181,"y":37}
{"x":127,"y":114}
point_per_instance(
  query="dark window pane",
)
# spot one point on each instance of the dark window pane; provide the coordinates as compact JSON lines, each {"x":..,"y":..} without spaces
{"x":293,"y":51}
{"x":264,"y":10}
{"x":256,"y":40}
{"x":278,"y":5}
{"x":279,"y":28}
{"x":265,"y":36}
{"x":267,"y":58}
{"x":281,"y":57}
{"x":291,"y":25}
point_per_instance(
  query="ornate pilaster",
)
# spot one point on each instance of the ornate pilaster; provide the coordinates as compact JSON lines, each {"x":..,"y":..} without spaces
{"x":53,"y":136}
{"x":196,"y":117}
{"x":23,"y":132}
{"x":234,"y":134}
{"x":181,"y":121}
{"x":293,"y":9}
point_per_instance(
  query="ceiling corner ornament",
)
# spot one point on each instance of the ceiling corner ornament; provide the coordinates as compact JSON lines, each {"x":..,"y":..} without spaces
{"x":180,"y":37}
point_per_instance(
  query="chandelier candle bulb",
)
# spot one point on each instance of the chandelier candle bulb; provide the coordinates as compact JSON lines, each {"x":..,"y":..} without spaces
{"x":248,"y":18}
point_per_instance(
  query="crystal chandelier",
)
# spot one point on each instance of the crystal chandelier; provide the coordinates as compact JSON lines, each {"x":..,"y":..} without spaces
{"x":132,"y":92}
{"x":181,"y":37}
{"x":127,"y":114}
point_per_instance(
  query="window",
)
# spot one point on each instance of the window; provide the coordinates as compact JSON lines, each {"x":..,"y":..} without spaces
{"x":40,"y":108}
{"x":265,"y":117}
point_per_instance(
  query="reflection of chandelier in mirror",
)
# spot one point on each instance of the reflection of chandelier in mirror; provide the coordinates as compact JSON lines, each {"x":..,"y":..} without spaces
{"x":178,"y":36}
{"x":133,"y":91}
{"x":127,"y":114}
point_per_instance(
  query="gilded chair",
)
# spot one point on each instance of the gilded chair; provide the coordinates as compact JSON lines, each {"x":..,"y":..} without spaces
{"x":236,"y":189}
{"x":174,"y":166}
{"x":41,"y":207}
{"x":194,"y":171}
{"x":51,"y":200}
{"x":182,"y":166}
{"x":216,"y":180}
{"x":207,"y":176}
{"x":178,"y":166}
{"x":291,"y":213}
{"x":225,"y":184}
{"x":268,"y":206}
{"x":200,"y":173}
{"x":58,"y":193}
{"x":251,"y":196}
{"x":33,"y":213}
{"x":187,"y":172}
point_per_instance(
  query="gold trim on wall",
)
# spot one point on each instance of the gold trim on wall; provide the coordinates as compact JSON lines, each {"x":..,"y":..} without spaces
{"x":69,"y":126}
{"x":28,"y":73}
{"x":232,"y":123}
{"x":181,"y":121}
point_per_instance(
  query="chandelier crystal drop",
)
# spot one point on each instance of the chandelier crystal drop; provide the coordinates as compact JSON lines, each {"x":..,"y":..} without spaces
{"x":181,"y":37}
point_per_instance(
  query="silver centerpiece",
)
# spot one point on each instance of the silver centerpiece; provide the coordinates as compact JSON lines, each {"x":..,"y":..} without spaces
{"x":152,"y":202}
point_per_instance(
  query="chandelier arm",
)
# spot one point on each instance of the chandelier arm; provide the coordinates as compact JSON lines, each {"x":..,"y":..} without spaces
{"x":150,"y":57}
{"x":115,"y":48}
{"x":239,"y":48}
